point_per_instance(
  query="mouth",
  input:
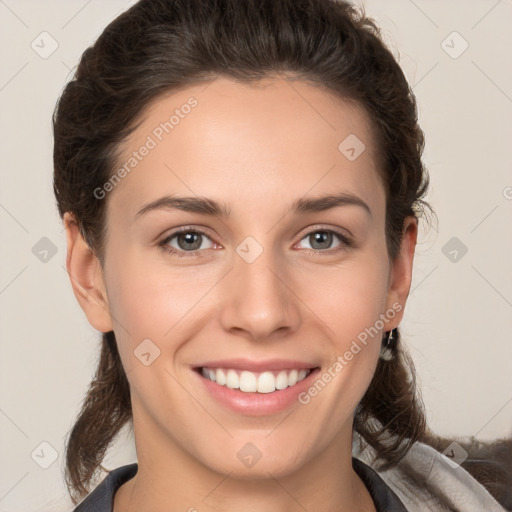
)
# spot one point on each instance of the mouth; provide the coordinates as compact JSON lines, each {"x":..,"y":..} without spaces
{"x":255,"y":388}
{"x":267,"y":381}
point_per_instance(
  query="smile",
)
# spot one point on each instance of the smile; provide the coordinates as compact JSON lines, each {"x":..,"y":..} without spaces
{"x":255,"y":382}
{"x":255,"y":387}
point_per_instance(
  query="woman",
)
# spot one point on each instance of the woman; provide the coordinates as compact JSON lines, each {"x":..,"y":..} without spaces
{"x":241,"y":183}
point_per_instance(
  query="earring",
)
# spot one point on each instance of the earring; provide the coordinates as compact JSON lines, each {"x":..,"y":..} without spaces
{"x":388,"y":346}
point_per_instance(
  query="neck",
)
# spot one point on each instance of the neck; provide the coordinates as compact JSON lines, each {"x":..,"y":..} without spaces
{"x":230,"y":495}
{"x":174,"y":481}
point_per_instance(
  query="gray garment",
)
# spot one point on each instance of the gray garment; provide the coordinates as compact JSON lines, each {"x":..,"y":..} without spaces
{"x":425,"y":480}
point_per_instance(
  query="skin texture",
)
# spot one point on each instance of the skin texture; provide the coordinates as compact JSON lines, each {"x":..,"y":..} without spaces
{"x":256,"y":148}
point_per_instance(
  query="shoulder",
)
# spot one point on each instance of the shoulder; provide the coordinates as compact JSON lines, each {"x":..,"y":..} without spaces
{"x":101,"y":498}
{"x":425,"y":479}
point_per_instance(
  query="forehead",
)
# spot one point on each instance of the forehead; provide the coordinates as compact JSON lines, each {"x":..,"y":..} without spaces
{"x":247,"y":142}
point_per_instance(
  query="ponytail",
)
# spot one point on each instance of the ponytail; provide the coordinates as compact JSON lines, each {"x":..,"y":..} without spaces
{"x":394,"y":400}
{"x":105,"y":410}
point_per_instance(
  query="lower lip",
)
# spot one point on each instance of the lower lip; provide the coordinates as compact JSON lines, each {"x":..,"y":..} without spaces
{"x":257,"y":404}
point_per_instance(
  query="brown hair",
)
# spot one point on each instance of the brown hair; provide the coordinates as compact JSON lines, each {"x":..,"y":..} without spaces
{"x":159,"y":46}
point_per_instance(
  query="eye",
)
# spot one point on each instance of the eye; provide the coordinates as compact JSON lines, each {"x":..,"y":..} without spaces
{"x":323,"y":239}
{"x":186,"y":240}
{"x":191,"y":241}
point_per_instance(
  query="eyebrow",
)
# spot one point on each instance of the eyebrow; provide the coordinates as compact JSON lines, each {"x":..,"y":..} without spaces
{"x":207,"y":206}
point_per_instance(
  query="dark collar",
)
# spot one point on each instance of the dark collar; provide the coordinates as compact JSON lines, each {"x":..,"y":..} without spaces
{"x":102,"y":498}
{"x":383,"y":496}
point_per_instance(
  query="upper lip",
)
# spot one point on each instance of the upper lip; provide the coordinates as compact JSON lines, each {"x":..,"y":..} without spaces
{"x":257,"y":366}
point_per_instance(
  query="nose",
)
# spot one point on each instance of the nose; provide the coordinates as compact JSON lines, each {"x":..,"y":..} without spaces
{"x":258,"y":299}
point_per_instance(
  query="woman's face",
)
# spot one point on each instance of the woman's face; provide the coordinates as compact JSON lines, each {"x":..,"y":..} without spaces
{"x":266,"y":284}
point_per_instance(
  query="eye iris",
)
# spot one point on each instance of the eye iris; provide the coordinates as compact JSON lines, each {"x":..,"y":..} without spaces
{"x":189,"y":241}
{"x":324,"y":238}
{"x":192,"y":241}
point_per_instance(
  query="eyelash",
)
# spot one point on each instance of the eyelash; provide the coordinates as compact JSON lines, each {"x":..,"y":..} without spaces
{"x":345,"y":244}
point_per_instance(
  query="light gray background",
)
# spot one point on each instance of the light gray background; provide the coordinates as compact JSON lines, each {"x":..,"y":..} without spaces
{"x":458,"y":319}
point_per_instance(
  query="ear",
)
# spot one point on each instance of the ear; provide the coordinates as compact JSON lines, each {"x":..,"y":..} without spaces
{"x":86,"y":275}
{"x":401,"y":271}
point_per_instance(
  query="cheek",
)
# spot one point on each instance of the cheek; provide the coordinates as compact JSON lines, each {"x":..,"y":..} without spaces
{"x":151,"y":306}
{"x":347,"y":303}
{"x":148,"y":298}
{"x":348,"y":297}
{"x":349,"y":300}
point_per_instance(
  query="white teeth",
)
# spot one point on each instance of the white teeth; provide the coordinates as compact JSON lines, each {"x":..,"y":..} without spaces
{"x":281,"y":380}
{"x":220,"y":377}
{"x":250,"y":382}
{"x":232,"y":380}
{"x":266,"y":382}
